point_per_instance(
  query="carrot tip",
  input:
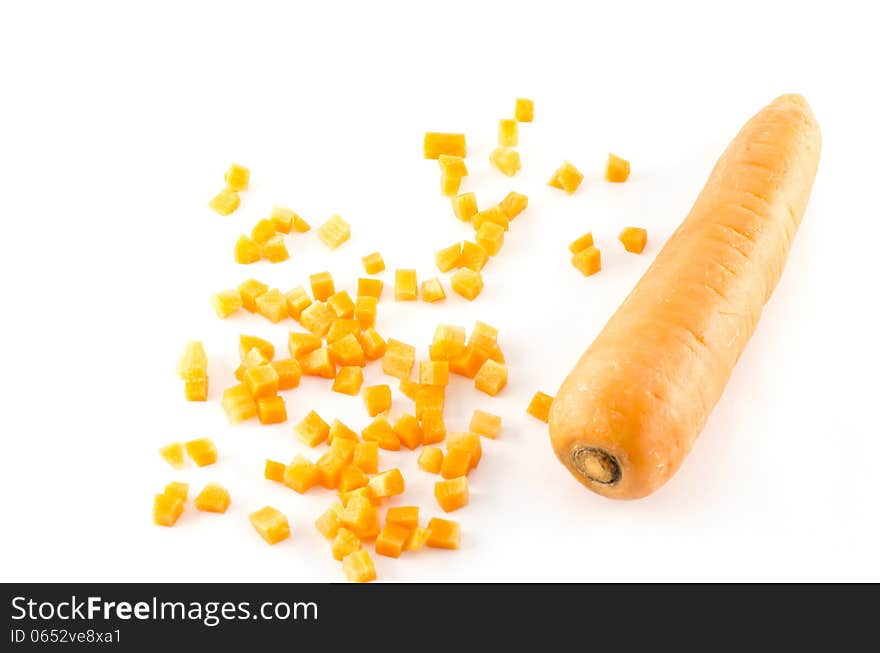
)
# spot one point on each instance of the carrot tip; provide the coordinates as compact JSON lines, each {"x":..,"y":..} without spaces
{"x":596,"y":465}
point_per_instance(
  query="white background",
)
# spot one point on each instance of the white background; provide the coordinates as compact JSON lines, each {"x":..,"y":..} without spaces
{"x":117,"y":122}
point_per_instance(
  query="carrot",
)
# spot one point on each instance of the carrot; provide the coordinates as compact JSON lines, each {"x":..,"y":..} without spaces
{"x":628,"y":414}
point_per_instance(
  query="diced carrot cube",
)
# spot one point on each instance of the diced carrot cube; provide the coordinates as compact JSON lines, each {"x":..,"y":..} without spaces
{"x":437,"y":143}
{"x":513,"y":204}
{"x":417,"y":539}
{"x":406,"y":285}
{"x":253,"y":358}
{"x":409,"y":388}
{"x":225,"y":202}
{"x":274,"y":250}
{"x":432,"y":290}
{"x":485,"y":424}
{"x":317,"y":318}
{"x":365,"y":311}
{"x":566,"y":178}
{"x":377,"y":399}
{"x":582,"y":243}
{"x":342,"y":327}
{"x":456,"y":462}
{"x":452,"y":494}
{"x":467,"y":283}
{"x":366,"y":456}
{"x":212,"y":498}
{"x":472,"y":256}
{"x":464,"y":206}
{"x":249,"y":291}
{"x":271,"y":410}
{"x":274,"y":471}
{"x":246,"y":343}
{"x":493,"y":215}
{"x":381,"y":432}
{"x":445,"y":534}
{"x":238,"y":404}
{"x":387,"y":484}
{"x":372,"y":343}
{"x":508,"y":132}
{"x":616,"y":169}
{"x":368,"y":287}
{"x":361,"y":516}
{"x":300,"y":344}
{"x":491,"y":378}
{"x":633,"y":239}
{"x":271,"y":524}
{"x":490,"y":237}
{"x":429,"y":397}
{"x":434,"y":373}
{"x":334,"y":232}
{"x":312,"y":429}
{"x":469,"y":362}
{"x":525,"y":109}
{"x":177,"y":489}
{"x":282,"y":218}
{"x":300,"y":225}
{"x":447,"y":258}
{"x":431,"y":460}
{"x":453,"y":165}
{"x":196,"y":389}
{"x":237,"y":177}
{"x":301,"y":474}
{"x":358,"y":567}
{"x":262,"y":231}
{"x":342,"y":304}
{"x":408,"y":431}
{"x":322,"y":286}
{"x":399,"y":359}
{"x":406,"y":516}
{"x":347,"y":351}
{"x":352,"y":478}
{"x":329,"y":467}
{"x":262,"y":381}
{"x":449,"y":183}
{"x":348,"y":380}
{"x":272,"y":305}
{"x":203,"y":451}
{"x":193,"y":362}
{"x":288,"y":371}
{"x":343,"y":447}
{"x":465,"y":441}
{"x":373,"y":263}
{"x":588,"y":261}
{"x":362,"y":493}
{"x":297,"y":301}
{"x":341,"y":431}
{"x":328,"y":523}
{"x":226,"y":302}
{"x":448,"y":342}
{"x":167,"y":509}
{"x":246,"y":250}
{"x":173,"y":454}
{"x":485,"y":339}
{"x":539,"y":406}
{"x":433,"y":427}
{"x":344,"y":543}
{"x":506,"y":160}
{"x":391,"y":540}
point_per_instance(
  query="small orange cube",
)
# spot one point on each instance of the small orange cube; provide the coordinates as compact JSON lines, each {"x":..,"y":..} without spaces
{"x":328,"y":523}
{"x":173,"y":454}
{"x":238,"y":404}
{"x":508,"y":132}
{"x":322,"y":286}
{"x":448,"y":342}
{"x":429,"y":397}
{"x":467,"y":283}
{"x":417,"y":539}
{"x":338,"y":430}
{"x":506,"y":160}
{"x":225,"y":202}
{"x":456,"y":462}
{"x":263,"y":231}
{"x":300,"y":344}
{"x":329,"y":467}
{"x":212,"y":498}
{"x":274,"y":250}
{"x":432,"y":291}
{"x":567,"y":178}
{"x":334,"y":232}
{"x":525,"y":109}
{"x":445,"y":534}
{"x":299,"y":225}
{"x":616,"y":169}
{"x":246,"y":343}
{"x":491,"y":378}
{"x":539,"y":406}
{"x":342,"y":327}
{"x":368,"y":287}
{"x":288,"y":371}
{"x":272,"y":305}
{"x":490,"y":237}
{"x":580,"y":244}
{"x":344,"y":543}
{"x":282,"y":218}
{"x":434,"y":373}
{"x":431,"y":460}
{"x":381,"y":432}
{"x":226,"y":302}
{"x":177,"y":489}
{"x":249,"y":291}
{"x":634,"y":239}
{"x":193,"y":361}
{"x":588,"y":261}
{"x":203,"y":451}
{"x":437,"y":143}
{"x":433,"y":427}
{"x":348,"y":380}
{"x":358,"y":567}
{"x":465,"y":441}
{"x":513,"y":204}
{"x":343,"y":448}
{"x":469,"y":362}
{"x":312,"y":429}
{"x":318,"y":363}
{"x":361,"y":516}
{"x":317,"y":318}
{"x":399,"y":359}
{"x":447,"y":258}
{"x":297,"y":301}
{"x":341,"y":304}
{"x":408,"y":431}
{"x":196,"y":389}
{"x":452,"y":494}
{"x":493,"y":214}
{"x":449,"y":183}
{"x":271,"y":524}
{"x":351,"y":478}
{"x":365,"y":311}
{"x":485,"y":424}
{"x":472,"y":256}
{"x":167,"y":509}
{"x":406,"y":286}
{"x":271,"y":410}
{"x":387,"y":484}
{"x":391,"y":540}
{"x":377,"y":399}
{"x":464,"y":206}
{"x":452,"y":165}
{"x":373,"y":263}
{"x":347,"y":351}
{"x":262,"y":381}
{"x":372,"y":343}
{"x":301,"y":474}
{"x":274,"y":471}
{"x":237,"y":177}
{"x":407,"y":516}
{"x":366,"y":456}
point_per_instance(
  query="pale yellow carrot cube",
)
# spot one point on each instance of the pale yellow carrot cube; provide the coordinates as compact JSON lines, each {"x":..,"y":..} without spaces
{"x":237,"y":177}
{"x":334,"y":232}
{"x":225,"y":202}
{"x":508,"y":132}
{"x":506,"y":160}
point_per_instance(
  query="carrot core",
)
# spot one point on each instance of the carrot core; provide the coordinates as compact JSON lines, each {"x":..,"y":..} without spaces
{"x":596,"y":465}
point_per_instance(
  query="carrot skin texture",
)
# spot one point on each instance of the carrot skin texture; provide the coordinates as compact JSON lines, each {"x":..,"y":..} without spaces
{"x":630,"y":411}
